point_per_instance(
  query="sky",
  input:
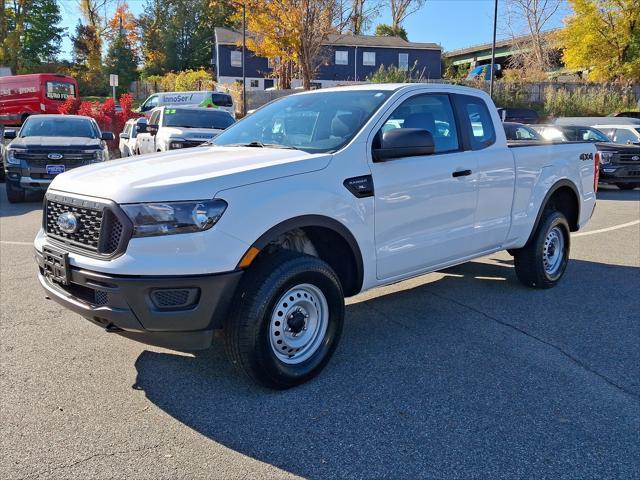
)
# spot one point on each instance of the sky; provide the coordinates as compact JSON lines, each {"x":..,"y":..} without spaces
{"x":451,"y":23}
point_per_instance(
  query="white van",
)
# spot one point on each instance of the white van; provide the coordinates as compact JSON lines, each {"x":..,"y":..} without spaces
{"x":205,"y":98}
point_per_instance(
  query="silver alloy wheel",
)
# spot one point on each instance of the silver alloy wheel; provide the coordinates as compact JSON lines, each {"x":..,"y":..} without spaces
{"x":553,"y":251}
{"x":299,"y":323}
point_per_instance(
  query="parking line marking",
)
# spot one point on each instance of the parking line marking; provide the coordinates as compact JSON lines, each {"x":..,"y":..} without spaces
{"x":9,"y":242}
{"x":608,"y":229}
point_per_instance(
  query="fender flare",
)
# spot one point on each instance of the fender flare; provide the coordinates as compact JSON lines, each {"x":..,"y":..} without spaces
{"x":554,"y":188}
{"x":316,"y":221}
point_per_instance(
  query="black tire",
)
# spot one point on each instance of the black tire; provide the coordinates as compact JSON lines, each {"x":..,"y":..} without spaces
{"x":627,"y":186}
{"x":15,"y":193}
{"x":247,"y":330}
{"x":529,"y":260}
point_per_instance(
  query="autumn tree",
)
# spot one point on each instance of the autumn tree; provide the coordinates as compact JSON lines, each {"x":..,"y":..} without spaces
{"x":603,"y":36}
{"x":527,"y":22}
{"x":30,"y":34}
{"x":384,"y":30}
{"x":401,"y":9}
{"x":122,"y":54}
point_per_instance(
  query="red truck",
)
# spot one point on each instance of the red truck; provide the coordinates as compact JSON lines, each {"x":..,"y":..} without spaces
{"x":24,"y":95}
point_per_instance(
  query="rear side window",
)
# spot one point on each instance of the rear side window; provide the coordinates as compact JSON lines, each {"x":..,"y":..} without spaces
{"x":222,"y":100}
{"x":480,"y":125}
{"x":432,"y":112}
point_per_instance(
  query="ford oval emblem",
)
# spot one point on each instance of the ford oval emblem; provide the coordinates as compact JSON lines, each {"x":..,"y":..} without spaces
{"x":55,"y":156}
{"x":68,"y":223}
{"x":635,"y":158}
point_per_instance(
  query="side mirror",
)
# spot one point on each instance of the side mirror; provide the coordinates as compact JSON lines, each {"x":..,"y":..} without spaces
{"x":404,"y":142}
{"x":124,"y":136}
{"x":9,"y":134}
{"x":107,"y":136}
{"x":152,"y":129}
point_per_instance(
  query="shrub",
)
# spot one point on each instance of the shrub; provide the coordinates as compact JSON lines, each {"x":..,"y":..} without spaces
{"x":393,"y":74}
{"x":104,"y":114}
{"x":588,"y":101}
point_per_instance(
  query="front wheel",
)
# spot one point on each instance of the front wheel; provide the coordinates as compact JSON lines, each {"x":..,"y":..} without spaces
{"x":15,"y":193}
{"x":287,"y":319}
{"x":541,"y":263}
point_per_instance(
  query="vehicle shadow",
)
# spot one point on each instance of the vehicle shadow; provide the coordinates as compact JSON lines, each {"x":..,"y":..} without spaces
{"x":430,"y":381}
{"x":610,"y":192}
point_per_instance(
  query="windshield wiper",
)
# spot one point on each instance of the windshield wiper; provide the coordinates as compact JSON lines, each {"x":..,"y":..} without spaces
{"x":257,"y":144}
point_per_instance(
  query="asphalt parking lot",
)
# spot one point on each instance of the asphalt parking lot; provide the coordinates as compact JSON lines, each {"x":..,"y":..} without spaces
{"x":458,"y":374}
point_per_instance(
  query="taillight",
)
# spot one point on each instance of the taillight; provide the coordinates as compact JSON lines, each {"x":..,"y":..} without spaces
{"x":596,"y":171}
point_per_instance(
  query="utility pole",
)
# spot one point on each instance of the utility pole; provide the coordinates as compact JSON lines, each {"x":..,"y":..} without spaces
{"x":244,"y":49}
{"x":493,"y":47}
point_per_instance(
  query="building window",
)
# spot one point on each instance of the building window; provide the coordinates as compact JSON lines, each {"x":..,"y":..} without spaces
{"x":342,"y":57}
{"x":403,"y":61}
{"x":236,"y":58}
{"x":255,"y":84}
{"x":369,"y":58}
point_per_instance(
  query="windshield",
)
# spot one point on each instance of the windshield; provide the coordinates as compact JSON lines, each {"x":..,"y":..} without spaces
{"x":316,"y":122}
{"x":204,"y":118}
{"x":61,"y":126}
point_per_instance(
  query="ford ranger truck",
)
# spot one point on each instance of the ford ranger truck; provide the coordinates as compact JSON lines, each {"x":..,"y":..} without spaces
{"x":313,"y":198}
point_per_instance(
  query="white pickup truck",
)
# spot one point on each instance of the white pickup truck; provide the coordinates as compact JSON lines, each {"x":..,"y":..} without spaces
{"x":314,"y":197}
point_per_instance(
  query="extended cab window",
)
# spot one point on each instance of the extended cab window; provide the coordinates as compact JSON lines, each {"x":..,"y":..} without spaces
{"x":431,"y":112}
{"x":482,"y":133}
{"x":155,"y":118}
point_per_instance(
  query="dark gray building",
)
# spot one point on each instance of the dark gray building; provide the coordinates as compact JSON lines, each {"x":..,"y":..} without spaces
{"x":348,"y":58}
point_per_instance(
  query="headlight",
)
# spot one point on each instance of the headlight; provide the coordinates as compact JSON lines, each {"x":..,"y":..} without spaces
{"x":606,"y":157}
{"x":11,"y":157}
{"x":99,"y":156}
{"x":152,"y":219}
{"x":175,"y":145}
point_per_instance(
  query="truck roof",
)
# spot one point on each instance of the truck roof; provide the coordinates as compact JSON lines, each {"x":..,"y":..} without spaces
{"x":397,"y":86}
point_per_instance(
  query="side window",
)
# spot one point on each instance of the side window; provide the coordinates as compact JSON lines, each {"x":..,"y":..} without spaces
{"x":432,"y":112}
{"x":403,"y":61}
{"x":482,"y":133}
{"x":624,"y":136}
{"x":155,"y":118}
{"x":149,"y":104}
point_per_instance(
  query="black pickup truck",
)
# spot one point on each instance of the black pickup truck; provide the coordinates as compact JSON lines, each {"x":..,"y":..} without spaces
{"x":619,"y":165}
{"x":48,"y":145}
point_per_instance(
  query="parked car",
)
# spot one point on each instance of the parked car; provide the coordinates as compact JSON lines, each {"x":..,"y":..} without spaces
{"x":295,"y":207}
{"x":209,"y":99}
{"x":519,"y":115}
{"x":595,"y":121}
{"x":570,"y":133}
{"x":635,"y":114}
{"x":25,"y":95}
{"x":519,"y":131}
{"x":48,"y":145}
{"x":624,"y":134}
{"x":129,"y":137}
{"x":172,"y":128}
{"x":483,"y":72}
{"x":619,"y":165}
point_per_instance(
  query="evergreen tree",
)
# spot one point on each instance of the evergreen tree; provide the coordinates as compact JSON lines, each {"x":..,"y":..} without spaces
{"x":121,"y":59}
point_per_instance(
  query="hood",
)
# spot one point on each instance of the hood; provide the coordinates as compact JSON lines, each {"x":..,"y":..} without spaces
{"x":618,"y":147}
{"x":62,"y":142}
{"x":189,"y":174}
{"x":191,"y":133}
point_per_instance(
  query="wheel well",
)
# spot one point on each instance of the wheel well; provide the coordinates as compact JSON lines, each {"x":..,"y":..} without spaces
{"x":565,"y":200}
{"x":328,"y":245}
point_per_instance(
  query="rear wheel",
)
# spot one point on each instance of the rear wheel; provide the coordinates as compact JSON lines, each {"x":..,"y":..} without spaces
{"x":15,"y":193}
{"x":541,"y":263}
{"x":627,"y":186}
{"x":287,"y":319}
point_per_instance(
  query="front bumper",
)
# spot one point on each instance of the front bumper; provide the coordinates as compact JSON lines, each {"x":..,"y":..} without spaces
{"x":128,"y":305}
{"x":613,"y":173}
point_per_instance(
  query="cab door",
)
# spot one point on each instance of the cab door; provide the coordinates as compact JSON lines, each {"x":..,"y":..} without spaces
{"x":424,"y":205}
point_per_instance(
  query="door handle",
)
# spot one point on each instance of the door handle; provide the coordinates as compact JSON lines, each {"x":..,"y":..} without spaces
{"x":461,"y":173}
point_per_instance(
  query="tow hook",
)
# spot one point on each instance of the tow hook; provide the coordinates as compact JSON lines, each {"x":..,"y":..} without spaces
{"x":111,"y":328}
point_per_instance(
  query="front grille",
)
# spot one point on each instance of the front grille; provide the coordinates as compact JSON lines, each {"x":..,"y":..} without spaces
{"x":40,"y":159}
{"x":192,"y":143}
{"x":99,"y":228}
{"x":628,"y":157}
